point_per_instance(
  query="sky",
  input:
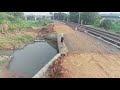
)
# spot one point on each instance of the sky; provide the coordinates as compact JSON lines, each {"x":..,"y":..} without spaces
{"x":46,"y":13}
{"x":111,"y":12}
{"x":37,"y":13}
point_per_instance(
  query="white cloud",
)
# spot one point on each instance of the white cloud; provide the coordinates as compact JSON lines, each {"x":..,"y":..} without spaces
{"x":36,"y":13}
{"x":110,"y":12}
{"x":46,"y":13}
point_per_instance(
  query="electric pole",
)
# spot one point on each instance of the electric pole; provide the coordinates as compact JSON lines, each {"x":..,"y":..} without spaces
{"x":58,"y":16}
{"x":79,"y":18}
{"x":53,"y":16}
{"x":67,"y":18}
{"x":64,"y":16}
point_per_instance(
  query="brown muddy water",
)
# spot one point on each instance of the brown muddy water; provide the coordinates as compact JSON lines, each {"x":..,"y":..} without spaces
{"x":28,"y":61}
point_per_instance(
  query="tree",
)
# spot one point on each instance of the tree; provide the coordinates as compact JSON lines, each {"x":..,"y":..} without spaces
{"x":57,"y":16}
{"x":86,"y":17}
{"x":74,"y":16}
{"x":52,"y":15}
{"x":90,"y":17}
{"x":5,"y":17}
{"x":60,"y":16}
{"x":18,"y":15}
{"x":30,"y":17}
{"x":106,"y":24}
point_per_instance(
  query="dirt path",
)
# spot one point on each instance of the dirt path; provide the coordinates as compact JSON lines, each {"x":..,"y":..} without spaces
{"x":88,"y":57}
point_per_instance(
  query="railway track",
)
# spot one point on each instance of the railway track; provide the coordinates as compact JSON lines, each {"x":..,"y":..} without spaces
{"x":109,"y":37}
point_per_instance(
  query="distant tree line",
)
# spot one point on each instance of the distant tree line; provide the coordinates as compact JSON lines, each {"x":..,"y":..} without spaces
{"x":59,"y":16}
{"x":17,"y":14}
{"x":86,"y":18}
{"x":32,"y":17}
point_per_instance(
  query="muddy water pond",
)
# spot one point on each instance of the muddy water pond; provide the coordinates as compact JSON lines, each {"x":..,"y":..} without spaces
{"x":28,"y":61}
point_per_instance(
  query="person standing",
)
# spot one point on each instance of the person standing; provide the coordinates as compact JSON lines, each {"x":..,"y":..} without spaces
{"x":62,"y":40}
{"x":76,"y":28}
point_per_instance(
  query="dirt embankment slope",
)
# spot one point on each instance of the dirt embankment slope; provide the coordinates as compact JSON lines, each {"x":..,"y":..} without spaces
{"x":14,"y":39}
{"x":86,"y":65}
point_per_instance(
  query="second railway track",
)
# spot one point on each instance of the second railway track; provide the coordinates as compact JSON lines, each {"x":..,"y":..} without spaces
{"x":106,"y":36}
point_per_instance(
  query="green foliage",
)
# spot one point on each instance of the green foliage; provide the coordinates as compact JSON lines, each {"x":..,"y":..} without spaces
{"x":90,"y":18}
{"x":74,"y":16}
{"x":87,"y":17}
{"x":1,"y":62}
{"x":116,"y":26}
{"x":30,"y":17}
{"x":106,"y":24}
{"x":15,"y":21}
{"x":5,"y":18}
{"x":17,"y":15}
{"x":60,"y":16}
{"x":22,"y":38}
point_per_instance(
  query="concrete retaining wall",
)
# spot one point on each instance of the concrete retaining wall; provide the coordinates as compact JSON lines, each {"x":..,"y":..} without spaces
{"x":43,"y":73}
{"x":51,"y":36}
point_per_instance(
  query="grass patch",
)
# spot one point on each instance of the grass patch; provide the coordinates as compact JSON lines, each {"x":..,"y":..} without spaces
{"x":18,"y":39}
{"x":1,"y":62}
{"x":9,"y":22}
{"x":116,"y":27}
{"x":24,"y":24}
{"x":19,"y":24}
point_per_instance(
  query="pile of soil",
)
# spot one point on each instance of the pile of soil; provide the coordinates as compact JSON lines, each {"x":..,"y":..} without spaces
{"x":48,"y":29}
{"x":86,"y":65}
